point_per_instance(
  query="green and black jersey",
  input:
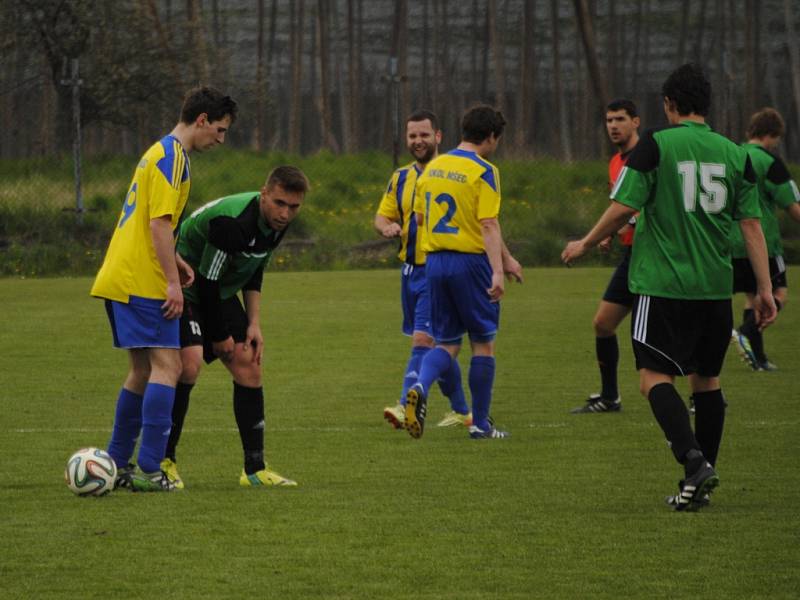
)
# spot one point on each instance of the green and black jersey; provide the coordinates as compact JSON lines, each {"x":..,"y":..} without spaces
{"x":689,"y":185}
{"x":775,"y":190}
{"x":228,"y":244}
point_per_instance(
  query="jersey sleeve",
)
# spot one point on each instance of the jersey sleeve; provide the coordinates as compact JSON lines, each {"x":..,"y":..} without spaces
{"x":489,"y":194}
{"x":780,"y":185}
{"x":748,"y":205}
{"x":388,"y":206}
{"x":165,"y":180}
{"x":636,"y":179}
{"x":419,"y":195}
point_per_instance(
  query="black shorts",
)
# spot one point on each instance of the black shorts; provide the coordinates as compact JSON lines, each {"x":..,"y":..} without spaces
{"x":192,"y":324}
{"x":617,"y":290}
{"x":744,"y":280}
{"x":679,"y":337}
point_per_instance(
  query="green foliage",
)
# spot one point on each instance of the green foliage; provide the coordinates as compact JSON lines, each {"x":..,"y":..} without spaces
{"x":568,"y":507}
{"x":545,"y":202}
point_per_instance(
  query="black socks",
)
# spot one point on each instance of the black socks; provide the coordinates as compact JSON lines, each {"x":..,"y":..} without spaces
{"x":248,"y":407}
{"x":607,"y":359}
{"x":672,"y":416}
{"x":709,"y":420}
{"x":179,"y":410}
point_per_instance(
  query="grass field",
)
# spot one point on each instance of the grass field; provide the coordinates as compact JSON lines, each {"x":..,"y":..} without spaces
{"x":569,"y":507}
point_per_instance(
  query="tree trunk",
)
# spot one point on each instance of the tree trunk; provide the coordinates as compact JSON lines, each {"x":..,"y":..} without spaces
{"x":497,"y":50}
{"x":794,"y":58}
{"x":561,"y":141}
{"x":526,"y":88}
{"x":296,"y":100}
{"x":258,"y":130}
{"x":197,"y":41}
{"x":686,"y":8}
{"x":323,"y":99}
{"x":599,"y":83}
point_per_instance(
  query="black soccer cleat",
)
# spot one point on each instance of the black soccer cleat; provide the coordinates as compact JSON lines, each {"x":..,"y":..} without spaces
{"x":124,"y":478}
{"x":696,"y":487}
{"x":597,"y":404}
{"x":416,"y":409}
{"x":672,"y":501}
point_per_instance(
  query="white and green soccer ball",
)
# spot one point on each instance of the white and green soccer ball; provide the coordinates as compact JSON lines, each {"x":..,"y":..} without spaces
{"x":90,"y":472}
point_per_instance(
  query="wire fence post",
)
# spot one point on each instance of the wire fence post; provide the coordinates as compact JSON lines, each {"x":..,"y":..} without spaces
{"x":394,"y":81}
{"x":75,"y":81}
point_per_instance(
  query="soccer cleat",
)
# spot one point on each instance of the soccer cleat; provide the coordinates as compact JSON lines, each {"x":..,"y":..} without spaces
{"x":264,"y":477}
{"x":705,"y":500}
{"x":416,"y":408}
{"x":596,"y":404}
{"x":395,"y":415}
{"x":695,"y":488}
{"x":453,"y":418}
{"x":153,"y":482}
{"x":476,"y":433}
{"x":744,"y":349}
{"x":170,"y":468}
{"x":124,"y":478}
{"x":766,"y":365}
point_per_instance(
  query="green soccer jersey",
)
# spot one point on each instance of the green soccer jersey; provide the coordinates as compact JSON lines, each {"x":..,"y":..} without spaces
{"x":228,"y":243}
{"x":775,"y":190}
{"x":689,"y":185}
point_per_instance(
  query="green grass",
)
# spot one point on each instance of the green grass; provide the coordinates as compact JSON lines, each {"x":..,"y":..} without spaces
{"x":569,"y":507}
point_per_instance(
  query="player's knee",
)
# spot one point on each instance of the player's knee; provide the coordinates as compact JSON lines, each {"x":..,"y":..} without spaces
{"x":190,"y":370}
{"x":248,"y":375}
{"x":420,"y":338}
{"x":602,"y":327}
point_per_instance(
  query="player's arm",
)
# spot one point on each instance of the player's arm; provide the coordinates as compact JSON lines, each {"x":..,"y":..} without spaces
{"x":164,"y":245}
{"x":493,"y":243}
{"x":764,"y":303}
{"x":511,"y":266}
{"x":387,"y":227}
{"x":615,"y":216}
{"x":185,"y":271}
{"x":794,"y":211}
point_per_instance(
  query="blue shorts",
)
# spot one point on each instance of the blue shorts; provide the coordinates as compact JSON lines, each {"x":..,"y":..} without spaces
{"x":415,"y":299}
{"x":457,"y":283}
{"x":141,"y":324}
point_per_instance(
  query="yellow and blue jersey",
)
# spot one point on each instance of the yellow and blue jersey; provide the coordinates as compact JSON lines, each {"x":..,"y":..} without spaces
{"x":397,"y":205}
{"x":456,"y":191}
{"x":160,"y":187}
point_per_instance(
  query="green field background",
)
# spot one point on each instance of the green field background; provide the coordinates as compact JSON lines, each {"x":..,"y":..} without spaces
{"x":571,"y":506}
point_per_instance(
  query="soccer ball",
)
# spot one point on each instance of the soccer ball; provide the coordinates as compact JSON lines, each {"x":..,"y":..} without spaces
{"x":90,"y":472}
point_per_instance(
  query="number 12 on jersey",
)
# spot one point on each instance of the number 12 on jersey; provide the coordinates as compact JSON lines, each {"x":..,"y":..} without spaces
{"x":714,"y":194}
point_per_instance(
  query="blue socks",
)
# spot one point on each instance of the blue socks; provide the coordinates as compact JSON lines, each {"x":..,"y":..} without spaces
{"x":412,"y":369}
{"x":156,"y":425}
{"x":434,"y":365}
{"x":127,"y":424}
{"x":451,"y":387}
{"x":481,"y":379}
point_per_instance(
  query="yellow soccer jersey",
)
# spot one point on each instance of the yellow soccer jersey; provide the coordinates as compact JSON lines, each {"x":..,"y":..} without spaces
{"x":160,"y":187}
{"x":455,"y":192}
{"x":397,"y":204}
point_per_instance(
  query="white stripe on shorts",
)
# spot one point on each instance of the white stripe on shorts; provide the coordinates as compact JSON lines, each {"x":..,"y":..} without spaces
{"x":640,"y":327}
{"x":780,"y":263}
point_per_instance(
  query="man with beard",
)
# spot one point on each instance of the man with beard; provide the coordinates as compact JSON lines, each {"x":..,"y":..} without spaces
{"x":228,"y":243}
{"x":395,"y":219}
{"x":622,"y":125}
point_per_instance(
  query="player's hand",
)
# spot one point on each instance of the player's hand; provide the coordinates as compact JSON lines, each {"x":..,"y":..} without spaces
{"x":512,"y":269}
{"x":498,"y":287}
{"x":605,"y":245}
{"x":764,"y":310}
{"x":392,"y":230}
{"x":173,"y":305}
{"x":185,"y":271}
{"x":572,"y":252}
{"x":254,"y":342}
{"x":224,"y":349}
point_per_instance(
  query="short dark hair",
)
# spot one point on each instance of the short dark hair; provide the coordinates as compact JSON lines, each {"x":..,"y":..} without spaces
{"x":481,"y":121}
{"x":422,"y":115}
{"x":623,"y":104}
{"x":689,"y":88}
{"x":766,"y":121}
{"x":289,"y":178}
{"x":210,"y":101}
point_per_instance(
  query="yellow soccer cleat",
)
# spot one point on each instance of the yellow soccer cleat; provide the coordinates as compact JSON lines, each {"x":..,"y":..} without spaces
{"x":395,"y":415}
{"x":264,"y":477}
{"x":170,"y":469}
{"x":453,"y":418}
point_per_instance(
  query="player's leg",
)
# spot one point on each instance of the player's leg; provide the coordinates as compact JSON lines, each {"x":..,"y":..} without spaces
{"x":744,"y":281}
{"x":613,"y":308}
{"x":665,"y":333}
{"x":248,"y":401}
{"x":191,"y":361}
{"x":128,"y":415}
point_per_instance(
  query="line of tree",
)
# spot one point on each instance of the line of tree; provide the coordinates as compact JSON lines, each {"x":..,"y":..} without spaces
{"x":312,"y":74}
